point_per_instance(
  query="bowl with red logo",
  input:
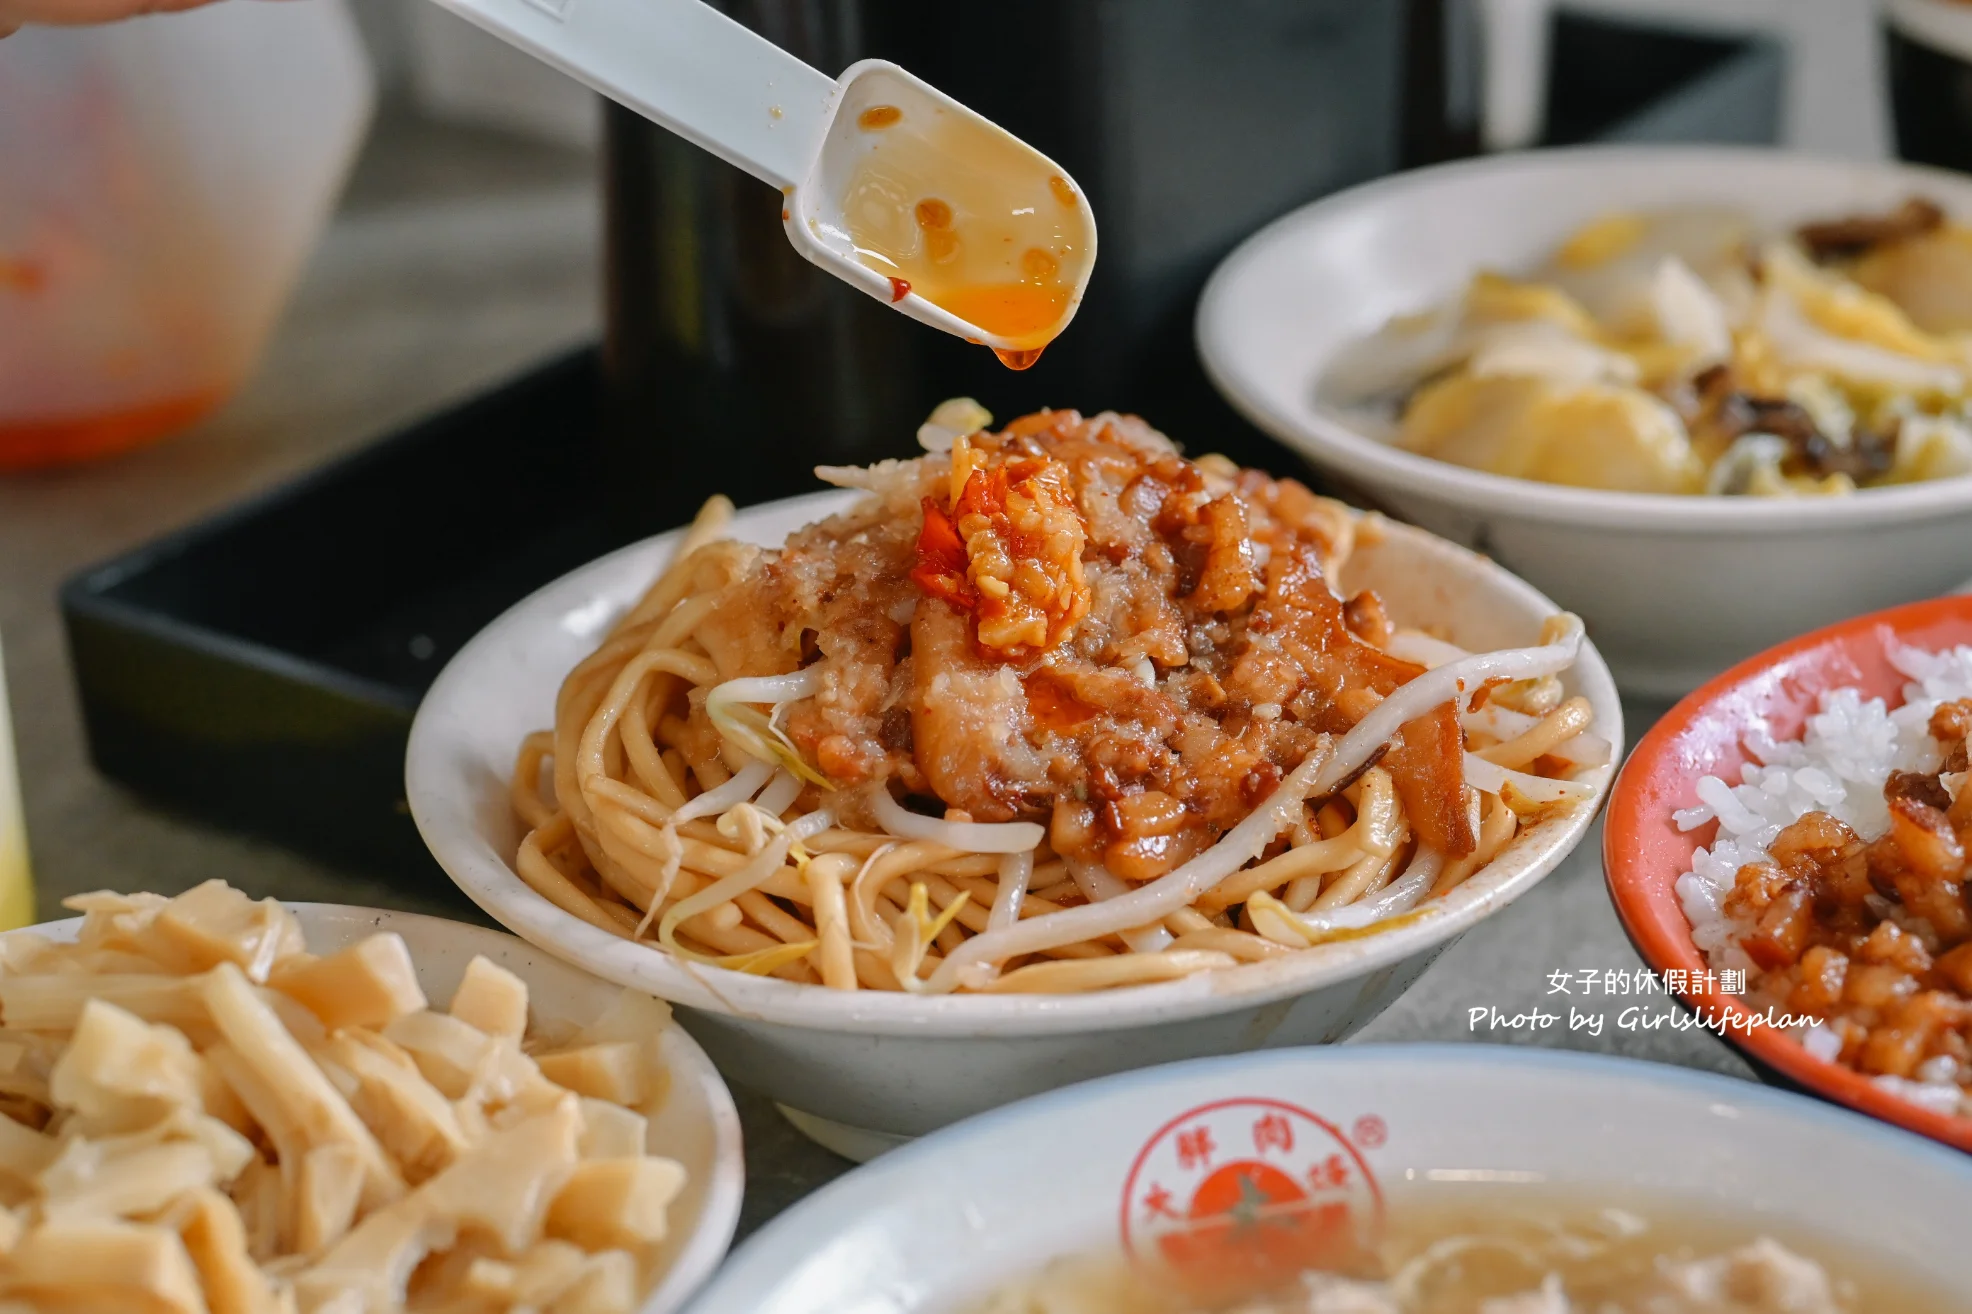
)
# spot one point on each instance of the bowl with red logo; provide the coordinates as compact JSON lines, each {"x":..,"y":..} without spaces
{"x":1222,"y":1178}
{"x":862,"y":1071}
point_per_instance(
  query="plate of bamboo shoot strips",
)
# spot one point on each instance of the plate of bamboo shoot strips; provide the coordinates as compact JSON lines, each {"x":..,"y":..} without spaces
{"x":211,"y":1104}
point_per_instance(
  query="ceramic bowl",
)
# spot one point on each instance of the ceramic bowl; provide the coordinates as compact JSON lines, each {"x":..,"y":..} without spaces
{"x":1674,"y":589}
{"x":861,"y":1070}
{"x":1644,"y":852}
{"x":697,"y":1126}
{"x":938,"y":1224}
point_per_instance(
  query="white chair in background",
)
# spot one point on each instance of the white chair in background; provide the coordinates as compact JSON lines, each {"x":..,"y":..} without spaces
{"x":1940,"y":24}
{"x":1835,"y":98}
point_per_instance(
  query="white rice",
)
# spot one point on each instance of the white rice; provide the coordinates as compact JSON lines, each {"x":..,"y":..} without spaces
{"x":1821,"y":1042}
{"x":1939,"y":1097}
{"x":1838,"y":766}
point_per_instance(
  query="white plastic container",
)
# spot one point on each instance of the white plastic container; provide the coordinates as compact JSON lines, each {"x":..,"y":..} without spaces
{"x":164,"y":179}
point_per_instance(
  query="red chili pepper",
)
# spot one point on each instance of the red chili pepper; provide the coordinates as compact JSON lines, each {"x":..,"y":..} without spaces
{"x":941,"y":567}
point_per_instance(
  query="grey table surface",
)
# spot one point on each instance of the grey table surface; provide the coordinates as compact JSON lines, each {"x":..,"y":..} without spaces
{"x":457,"y":258}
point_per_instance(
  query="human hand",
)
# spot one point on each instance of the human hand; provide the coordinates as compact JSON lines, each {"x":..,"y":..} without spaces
{"x":16,"y":13}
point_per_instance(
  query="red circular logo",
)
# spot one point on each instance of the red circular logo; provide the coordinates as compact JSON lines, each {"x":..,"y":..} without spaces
{"x":1239,"y":1195}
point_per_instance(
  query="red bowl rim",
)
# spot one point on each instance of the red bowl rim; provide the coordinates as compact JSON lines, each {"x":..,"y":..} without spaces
{"x":1670,"y":947}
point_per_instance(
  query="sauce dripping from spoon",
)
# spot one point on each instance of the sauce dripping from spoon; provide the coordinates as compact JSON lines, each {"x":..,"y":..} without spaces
{"x":959,"y":215}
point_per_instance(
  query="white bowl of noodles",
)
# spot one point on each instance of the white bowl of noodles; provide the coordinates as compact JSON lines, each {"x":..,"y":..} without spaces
{"x":1674,"y":588}
{"x":1504,"y":1180}
{"x":863,"y":1068}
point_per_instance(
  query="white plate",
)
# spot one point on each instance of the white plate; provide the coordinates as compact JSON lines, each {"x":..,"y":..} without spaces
{"x":898,"y":1065}
{"x":1674,"y":589}
{"x":697,"y":1126}
{"x":995,"y":1198}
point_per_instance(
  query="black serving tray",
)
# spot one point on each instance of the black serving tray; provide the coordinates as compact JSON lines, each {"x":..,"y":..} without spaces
{"x":260,"y":670}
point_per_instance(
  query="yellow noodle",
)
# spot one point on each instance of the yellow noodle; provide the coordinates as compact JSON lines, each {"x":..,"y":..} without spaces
{"x":1553,"y":730}
{"x":533,"y":810}
{"x":833,"y":957}
{"x":771,"y":918}
{"x":1496,"y":830}
{"x":972,"y":914}
{"x":983,"y":890}
{"x":1243,"y":945}
{"x":1186,"y":920}
{"x":967,"y":864}
{"x":711,"y":772}
{"x":1067,"y":978}
{"x":1370,"y":873}
{"x":860,"y":844}
{"x":627,"y":685}
{"x":873,"y":971}
{"x":672,"y":584}
{"x":1047,"y":875}
{"x":548,"y":881}
{"x":646,"y":762}
{"x":1084,"y":949}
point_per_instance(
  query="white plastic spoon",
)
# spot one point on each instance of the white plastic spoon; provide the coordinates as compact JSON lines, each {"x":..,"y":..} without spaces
{"x":893,"y":186}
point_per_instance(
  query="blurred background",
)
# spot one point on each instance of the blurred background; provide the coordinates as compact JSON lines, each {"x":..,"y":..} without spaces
{"x":240,"y":243}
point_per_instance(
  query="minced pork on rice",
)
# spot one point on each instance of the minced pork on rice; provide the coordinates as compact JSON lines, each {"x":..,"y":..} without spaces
{"x":1838,"y":766}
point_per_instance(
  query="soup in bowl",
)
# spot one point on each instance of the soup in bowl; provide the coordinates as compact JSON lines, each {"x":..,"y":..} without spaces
{"x":1380,"y":1180}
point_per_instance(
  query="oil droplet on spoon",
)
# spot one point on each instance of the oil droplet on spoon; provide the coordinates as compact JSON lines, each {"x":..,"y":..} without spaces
{"x":959,"y":214}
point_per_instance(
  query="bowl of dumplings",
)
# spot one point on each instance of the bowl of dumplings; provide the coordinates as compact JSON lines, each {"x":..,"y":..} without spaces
{"x":1707,"y":398}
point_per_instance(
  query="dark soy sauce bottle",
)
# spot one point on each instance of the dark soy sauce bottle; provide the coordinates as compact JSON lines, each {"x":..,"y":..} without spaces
{"x":732,"y":365}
